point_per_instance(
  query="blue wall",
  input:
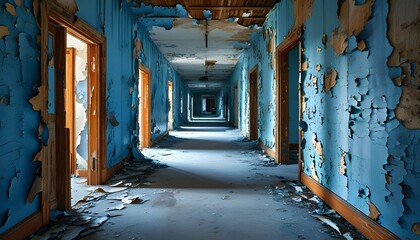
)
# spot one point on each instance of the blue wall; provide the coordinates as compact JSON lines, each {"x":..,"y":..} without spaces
{"x":160,"y":72}
{"x":121,"y":75}
{"x":262,"y":54}
{"x":368,"y":157}
{"x":19,"y":79}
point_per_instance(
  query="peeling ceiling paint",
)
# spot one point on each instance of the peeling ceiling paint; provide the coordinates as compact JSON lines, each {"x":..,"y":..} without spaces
{"x":189,"y":43}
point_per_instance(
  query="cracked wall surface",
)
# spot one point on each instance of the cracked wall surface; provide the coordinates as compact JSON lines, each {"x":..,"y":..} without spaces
{"x":160,"y":72}
{"x":19,"y":122}
{"x":359,"y":102}
{"x":23,"y":136}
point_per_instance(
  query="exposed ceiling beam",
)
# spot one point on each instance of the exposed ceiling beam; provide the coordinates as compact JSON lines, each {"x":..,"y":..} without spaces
{"x":229,"y":8}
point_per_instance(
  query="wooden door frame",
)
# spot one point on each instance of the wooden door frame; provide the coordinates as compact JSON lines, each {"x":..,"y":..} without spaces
{"x":235,"y":104}
{"x":145,"y":134}
{"x":282,"y":100}
{"x":171,"y":107}
{"x":253,"y":112}
{"x":52,"y":12}
{"x":70,"y":99}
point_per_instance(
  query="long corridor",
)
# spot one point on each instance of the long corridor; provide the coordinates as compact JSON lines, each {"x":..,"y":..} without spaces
{"x":208,"y":182}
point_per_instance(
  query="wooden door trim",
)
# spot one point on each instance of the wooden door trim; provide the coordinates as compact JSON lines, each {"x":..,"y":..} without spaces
{"x":171,"y":107}
{"x":70,"y":99}
{"x":282,"y":99}
{"x":52,"y":12}
{"x":253,"y":112}
{"x":146,"y":136}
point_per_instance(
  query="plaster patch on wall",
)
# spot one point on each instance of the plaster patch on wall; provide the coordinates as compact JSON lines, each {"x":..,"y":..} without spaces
{"x":373,"y":211}
{"x":138,"y":46}
{"x":38,"y":156}
{"x":338,"y":42}
{"x":404,"y":36}
{"x":353,"y":19}
{"x":4,"y":31}
{"x":11,"y":9}
{"x":361,"y":45}
{"x":270,"y":37}
{"x":343,"y":163}
{"x":408,"y":109}
{"x":318,"y":50}
{"x":69,"y":5}
{"x":318,"y":149}
{"x":314,"y":173}
{"x":416,"y":228}
{"x":314,"y":80}
{"x":37,"y":100}
{"x":330,"y":79}
{"x":304,"y":99}
{"x":302,"y":10}
{"x":324,"y":40}
{"x":19,"y":3}
{"x":305,"y":66}
{"x":318,"y":67}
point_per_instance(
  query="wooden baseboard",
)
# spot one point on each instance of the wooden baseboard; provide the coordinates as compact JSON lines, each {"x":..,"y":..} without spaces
{"x":160,"y":137}
{"x":25,"y":228}
{"x":359,"y":220}
{"x":270,"y":152}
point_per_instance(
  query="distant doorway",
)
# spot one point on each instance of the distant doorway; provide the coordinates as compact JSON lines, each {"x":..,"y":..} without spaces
{"x":288,"y":102}
{"x":253,"y":103}
{"x":170,"y":103}
{"x":144,"y":108}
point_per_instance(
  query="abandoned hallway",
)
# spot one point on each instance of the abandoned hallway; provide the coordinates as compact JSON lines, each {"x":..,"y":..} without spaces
{"x":222,"y":119}
{"x":208,"y":182}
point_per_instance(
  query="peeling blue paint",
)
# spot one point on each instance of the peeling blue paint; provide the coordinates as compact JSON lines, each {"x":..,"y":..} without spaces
{"x":19,"y":76}
{"x":356,"y":116}
{"x":160,"y":72}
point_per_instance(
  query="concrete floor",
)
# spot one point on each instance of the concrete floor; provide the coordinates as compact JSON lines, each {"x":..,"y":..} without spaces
{"x":214,"y":187}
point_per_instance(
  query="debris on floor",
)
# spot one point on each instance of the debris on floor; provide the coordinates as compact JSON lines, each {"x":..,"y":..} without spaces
{"x":296,"y":193}
{"x":82,"y":221}
{"x":70,"y":225}
{"x":134,"y":173}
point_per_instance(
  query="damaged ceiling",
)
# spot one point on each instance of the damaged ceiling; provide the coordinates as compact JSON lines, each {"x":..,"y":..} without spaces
{"x":202,"y":39}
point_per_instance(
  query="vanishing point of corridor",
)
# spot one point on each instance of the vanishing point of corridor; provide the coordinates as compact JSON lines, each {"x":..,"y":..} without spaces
{"x":207,"y":182}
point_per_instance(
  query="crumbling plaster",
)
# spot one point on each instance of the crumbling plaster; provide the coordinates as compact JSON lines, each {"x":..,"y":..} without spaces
{"x":21,"y":129}
{"x":361,"y":150}
{"x":19,"y":123}
{"x":161,"y":71}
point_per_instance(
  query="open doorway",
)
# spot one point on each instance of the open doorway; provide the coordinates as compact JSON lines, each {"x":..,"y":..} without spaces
{"x":288,"y":102}
{"x":76,"y":100}
{"x":253,"y":103}
{"x":208,"y":104}
{"x":170,"y":103}
{"x":75,"y":116}
{"x":144,"y":108}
